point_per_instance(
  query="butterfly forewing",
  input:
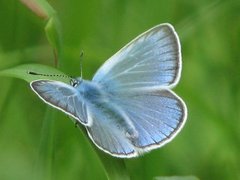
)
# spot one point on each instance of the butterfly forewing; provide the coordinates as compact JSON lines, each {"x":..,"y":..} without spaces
{"x":151,"y":61}
{"x":62,"y":96}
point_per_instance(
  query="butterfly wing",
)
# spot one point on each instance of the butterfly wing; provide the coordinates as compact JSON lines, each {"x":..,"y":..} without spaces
{"x":63,"y":97}
{"x":138,"y":79}
{"x":157,"y":116}
{"x":150,"y":61}
{"x":134,"y":123}
{"x":108,"y":133}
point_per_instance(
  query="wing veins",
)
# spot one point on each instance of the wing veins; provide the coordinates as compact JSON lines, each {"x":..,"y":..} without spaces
{"x":140,"y":63}
{"x":154,"y":111}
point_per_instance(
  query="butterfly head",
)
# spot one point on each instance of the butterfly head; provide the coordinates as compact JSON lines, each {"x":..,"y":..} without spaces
{"x":75,"y":82}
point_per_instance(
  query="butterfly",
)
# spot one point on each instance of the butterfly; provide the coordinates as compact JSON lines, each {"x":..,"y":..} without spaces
{"x":128,"y":108}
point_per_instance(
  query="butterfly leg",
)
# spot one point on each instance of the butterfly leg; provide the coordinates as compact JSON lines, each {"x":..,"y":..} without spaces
{"x":76,"y":124}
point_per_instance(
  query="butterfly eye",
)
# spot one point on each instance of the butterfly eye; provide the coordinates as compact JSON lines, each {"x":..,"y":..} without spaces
{"x":74,"y":82}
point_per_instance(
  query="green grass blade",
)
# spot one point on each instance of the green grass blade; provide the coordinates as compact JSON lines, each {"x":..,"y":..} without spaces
{"x":40,"y":7}
{"x":22,"y":72}
{"x":43,"y":165}
{"x":54,"y":35}
{"x":53,"y":26}
{"x":115,"y":168}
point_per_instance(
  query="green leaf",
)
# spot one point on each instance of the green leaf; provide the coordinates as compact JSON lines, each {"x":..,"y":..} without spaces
{"x":28,"y":72}
{"x":40,"y":7}
{"x":44,"y":163}
{"x":115,"y":167}
{"x":53,"y":26}
{"x":54,"y":35}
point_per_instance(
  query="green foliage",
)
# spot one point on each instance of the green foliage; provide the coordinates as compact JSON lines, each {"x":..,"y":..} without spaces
{"x":39,"y":142}
{"x":24,"y":72}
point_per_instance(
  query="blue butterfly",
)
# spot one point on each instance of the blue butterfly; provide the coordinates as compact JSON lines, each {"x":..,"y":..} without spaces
{"x":128,"y":108}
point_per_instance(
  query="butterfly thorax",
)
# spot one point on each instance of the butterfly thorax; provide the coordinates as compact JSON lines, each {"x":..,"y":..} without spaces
{"x":91,"y":91}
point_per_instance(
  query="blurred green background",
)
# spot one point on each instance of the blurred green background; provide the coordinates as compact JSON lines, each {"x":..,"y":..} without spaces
{"x":208,"y":146}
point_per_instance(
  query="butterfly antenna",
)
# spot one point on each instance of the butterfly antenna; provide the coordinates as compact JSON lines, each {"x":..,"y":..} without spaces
{"x":48,"y":75}
{"x":81,"y":59}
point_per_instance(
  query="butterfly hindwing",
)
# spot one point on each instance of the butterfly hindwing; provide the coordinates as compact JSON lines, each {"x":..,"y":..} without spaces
{"x":153,"y":117}
{"x":62,"y":96}
{"x":111,"y":129}
{"x":156,"y":115}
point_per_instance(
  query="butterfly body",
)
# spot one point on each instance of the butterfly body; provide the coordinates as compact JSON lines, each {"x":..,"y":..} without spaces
{"x":90,"y":91}
{"x":128,"y":108}
{"x":99,"y":101}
